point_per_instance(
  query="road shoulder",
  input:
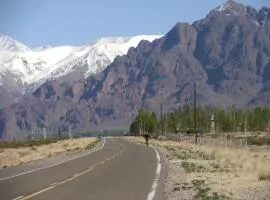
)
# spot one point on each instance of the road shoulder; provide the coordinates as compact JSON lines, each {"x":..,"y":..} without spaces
{"x":46,"y":162}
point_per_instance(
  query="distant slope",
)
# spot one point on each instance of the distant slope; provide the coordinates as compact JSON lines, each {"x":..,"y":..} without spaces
{"x":226,"y":54}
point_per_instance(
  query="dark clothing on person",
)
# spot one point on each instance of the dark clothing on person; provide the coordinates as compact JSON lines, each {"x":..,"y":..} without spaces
{"x":146,"y":137}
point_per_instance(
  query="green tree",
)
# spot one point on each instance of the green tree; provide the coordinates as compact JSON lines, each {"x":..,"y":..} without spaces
{"x":145,"y":122}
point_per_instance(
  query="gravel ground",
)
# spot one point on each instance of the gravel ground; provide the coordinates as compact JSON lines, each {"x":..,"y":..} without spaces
{"x":212,"y":173}
{"x":175,"y":180}
{"x":232,"y":186}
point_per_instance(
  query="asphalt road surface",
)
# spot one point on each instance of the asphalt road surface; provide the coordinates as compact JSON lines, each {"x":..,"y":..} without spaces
{"x":119,"y":171}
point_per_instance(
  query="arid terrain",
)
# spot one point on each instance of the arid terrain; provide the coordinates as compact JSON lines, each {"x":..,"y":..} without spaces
{"x":206,"y":172}
{"x":16,"y":156}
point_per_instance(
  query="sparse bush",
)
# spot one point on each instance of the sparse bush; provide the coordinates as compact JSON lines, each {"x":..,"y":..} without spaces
{"x":264,"y":176}
{"x":193,"y":167}
{"x":23,"y":153}
{"x":161,"y":138}
{"x":185,"y":154}
{"x":258,"y":141}
{"x":28,"y":143}
{"x":170,"y":148}
{"x":176,"y":188}
{"x":34,"y":148}
{"x":203,"y":192}
{"x":91,"y":145}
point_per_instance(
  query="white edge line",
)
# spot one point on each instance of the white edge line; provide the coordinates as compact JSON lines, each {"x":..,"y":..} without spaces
{"x":20,"y":197}
{"x":55,"y":183}
{"x":152,"y":193}
{"x":55,"y":164}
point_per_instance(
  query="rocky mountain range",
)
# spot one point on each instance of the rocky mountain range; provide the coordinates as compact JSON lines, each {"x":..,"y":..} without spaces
{"x":24,"y":69}
{"x":227,"y":55}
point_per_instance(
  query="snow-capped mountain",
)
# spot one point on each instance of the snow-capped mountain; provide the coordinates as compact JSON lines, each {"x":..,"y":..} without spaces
{"x":8,"y":44}
{"x":31,"y":67}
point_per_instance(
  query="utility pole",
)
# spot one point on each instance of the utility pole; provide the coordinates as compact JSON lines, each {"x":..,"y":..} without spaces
{"x":245,"y":129}
{"x":195,"y":114}
{"x":44,"y":133}
{"x":161,"y":111}
{"x":213,"y":127}
{"x":139,"y":125}
{"x":164,"y":122}
{"x":161,"y":118}
{"x":69,"y":131}
{"x":23,"y":124}
{"x":5,"y":134}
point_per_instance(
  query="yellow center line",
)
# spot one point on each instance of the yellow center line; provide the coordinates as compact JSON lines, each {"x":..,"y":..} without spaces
{"x":91,"y":168}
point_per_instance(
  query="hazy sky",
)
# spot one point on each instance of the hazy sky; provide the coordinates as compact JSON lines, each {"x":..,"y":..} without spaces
{"x":76,"y":22}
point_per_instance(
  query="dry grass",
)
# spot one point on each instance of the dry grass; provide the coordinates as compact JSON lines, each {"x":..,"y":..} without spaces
{"x":11,"y":157}
{"x":239,"y":160}
{"x":236,"y":173}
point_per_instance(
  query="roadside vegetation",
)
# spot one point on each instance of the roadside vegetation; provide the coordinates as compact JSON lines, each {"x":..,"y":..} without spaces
{"x":214,"y":172}
{"x":181,"y":120}
{"x":226,"y":164}
{"x":14,"y":153}
{"x":28,"y":143}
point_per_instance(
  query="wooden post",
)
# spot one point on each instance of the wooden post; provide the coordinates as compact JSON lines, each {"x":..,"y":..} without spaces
{"x":161,"y":118}
{"x":195,"y":114}
{"x":246,"y":133}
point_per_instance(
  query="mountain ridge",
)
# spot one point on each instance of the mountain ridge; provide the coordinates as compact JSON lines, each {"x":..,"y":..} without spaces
{"x":227,"y":56}
{"x":32,"y":67}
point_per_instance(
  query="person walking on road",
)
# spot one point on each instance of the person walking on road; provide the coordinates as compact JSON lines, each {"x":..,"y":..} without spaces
{"x":146,"y":137}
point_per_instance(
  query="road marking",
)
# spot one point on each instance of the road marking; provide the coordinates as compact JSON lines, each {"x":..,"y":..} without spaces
{"x":54,"y":184}
{"x":91,"y":168}
{"x":152,"y":193}
{"x":55,"y":164}
{"x":20,"y":197}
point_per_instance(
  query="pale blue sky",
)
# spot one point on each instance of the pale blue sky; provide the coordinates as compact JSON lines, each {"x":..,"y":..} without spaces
{"x":77,"y":22}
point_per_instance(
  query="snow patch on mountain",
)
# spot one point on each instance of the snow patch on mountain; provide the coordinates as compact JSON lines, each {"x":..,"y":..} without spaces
{"x":223,"y":7}
{"x":231,"y":7}
{"x":9,"y":44}
{"x":109,"y":48}
{"x":33,"y":67}
{"x":96,"y":56}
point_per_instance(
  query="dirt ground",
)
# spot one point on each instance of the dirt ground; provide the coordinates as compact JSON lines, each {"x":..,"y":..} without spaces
{"x":206,"y":172}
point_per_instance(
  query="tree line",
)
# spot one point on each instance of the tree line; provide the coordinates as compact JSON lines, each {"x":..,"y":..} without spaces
{"x":182,"y":119}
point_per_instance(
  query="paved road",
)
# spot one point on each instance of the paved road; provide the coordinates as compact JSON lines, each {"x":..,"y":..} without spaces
{"x":119,"y":171}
